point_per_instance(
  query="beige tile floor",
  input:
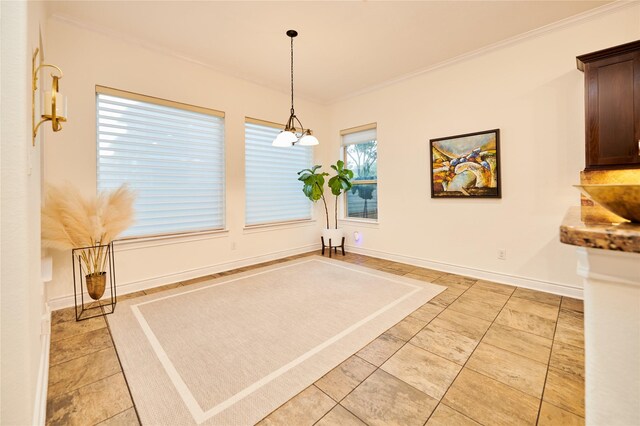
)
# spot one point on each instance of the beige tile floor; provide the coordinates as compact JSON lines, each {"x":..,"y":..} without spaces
{"x":478,"y":353}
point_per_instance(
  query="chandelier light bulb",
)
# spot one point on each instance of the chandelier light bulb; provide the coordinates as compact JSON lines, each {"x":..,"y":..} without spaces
{"x":285,"y":139}
{"x":308,"y":140}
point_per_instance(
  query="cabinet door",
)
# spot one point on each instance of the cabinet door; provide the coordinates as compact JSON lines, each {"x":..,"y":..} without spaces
{"x":613,"y":111}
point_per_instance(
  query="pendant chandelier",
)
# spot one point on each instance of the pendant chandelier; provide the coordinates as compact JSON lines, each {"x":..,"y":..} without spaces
{"x":291,"y":135}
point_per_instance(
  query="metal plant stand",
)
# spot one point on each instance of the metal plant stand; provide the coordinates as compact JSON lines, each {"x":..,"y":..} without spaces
{"x":106,"y":304}
{"x":335,"y":248}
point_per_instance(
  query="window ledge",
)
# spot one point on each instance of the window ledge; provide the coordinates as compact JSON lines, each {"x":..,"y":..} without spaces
{"x":135,"y":243}
{"x":360,"y":222}
{"x":250,"y":229}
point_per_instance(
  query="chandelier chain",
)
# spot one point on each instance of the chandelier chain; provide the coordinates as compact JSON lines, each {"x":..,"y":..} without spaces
{"x":292,"y":134}
{"x":291,"y":75}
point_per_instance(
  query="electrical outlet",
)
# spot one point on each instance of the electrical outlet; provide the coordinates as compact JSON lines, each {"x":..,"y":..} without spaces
{"x":502,"y":254}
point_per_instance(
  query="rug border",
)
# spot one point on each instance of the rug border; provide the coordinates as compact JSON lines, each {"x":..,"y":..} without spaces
{"x":198,"y":414}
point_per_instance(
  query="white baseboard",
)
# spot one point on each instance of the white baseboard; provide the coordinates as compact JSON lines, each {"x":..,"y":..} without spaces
{"x":534,"y":284}
{"x":42,"y":384}
{"x":133,"y":286}
{"x":498,"y":277}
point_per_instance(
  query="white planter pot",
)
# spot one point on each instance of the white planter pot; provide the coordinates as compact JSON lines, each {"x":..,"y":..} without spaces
{"x":335,"y":235}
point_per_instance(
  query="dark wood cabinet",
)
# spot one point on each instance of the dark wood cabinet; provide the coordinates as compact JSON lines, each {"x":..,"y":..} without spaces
{"x":612,"y":100}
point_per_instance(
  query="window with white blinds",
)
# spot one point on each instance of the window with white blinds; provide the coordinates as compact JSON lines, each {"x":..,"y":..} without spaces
{"x":273,"y":192}
{"x":170,"y":154}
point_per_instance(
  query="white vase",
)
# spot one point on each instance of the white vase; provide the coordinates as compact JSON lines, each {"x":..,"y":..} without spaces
{"x":335,"y":235}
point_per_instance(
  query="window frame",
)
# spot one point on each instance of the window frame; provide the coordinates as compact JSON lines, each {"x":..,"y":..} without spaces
{"x":343,"y":146}
{"x":110,"y":91}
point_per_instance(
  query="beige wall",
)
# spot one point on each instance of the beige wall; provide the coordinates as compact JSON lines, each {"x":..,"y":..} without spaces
{"x":23,"y":308}
{"x":530,"y":90}
{"x":89,"y":58}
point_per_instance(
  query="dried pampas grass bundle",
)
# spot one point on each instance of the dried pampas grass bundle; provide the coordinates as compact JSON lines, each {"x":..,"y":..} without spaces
{"x":70,"y":220}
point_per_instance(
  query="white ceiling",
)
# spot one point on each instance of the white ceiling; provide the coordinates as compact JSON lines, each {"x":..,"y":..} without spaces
{"x":343,"y":48}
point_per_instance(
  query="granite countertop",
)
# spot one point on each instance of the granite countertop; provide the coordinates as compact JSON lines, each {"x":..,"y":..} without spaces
{"x":594,"y":227}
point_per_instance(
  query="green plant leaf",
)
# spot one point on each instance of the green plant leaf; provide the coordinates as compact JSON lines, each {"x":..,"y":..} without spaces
{"x":313,"y":182}
{"x":342,"y":180}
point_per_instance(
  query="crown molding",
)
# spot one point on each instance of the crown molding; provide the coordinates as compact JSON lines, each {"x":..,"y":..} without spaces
{"x":108,"y":32}
{"x":579,"y":18}
{"x":575,"y":19}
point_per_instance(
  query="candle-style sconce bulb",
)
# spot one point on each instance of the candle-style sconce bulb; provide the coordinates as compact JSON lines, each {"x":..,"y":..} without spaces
{"x":55,"y":105}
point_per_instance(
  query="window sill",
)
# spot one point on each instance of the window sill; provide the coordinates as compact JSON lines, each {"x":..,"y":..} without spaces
{"x":360,"y":222}
{"x":251,"y":229}
{"x":135,"y":243}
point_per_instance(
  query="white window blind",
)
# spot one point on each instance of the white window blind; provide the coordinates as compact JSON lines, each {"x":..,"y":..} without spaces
{"x":359,"y":137}
{"x":273,"y":192}
{"x":170,"y":154}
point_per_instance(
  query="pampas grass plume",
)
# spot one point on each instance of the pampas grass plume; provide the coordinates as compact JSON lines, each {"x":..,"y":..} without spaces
{"x":70,"y":220}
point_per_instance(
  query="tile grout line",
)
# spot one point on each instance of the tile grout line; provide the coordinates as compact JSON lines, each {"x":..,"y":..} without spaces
{"x":548,"y":365}
{"x":81,"y":356}
{"x":546,"y":373}
{"x":363,"y":380}
{"x":517,"y":354}
{"x":77,"y":358}
{"x":135,"y":409}
{"x":510,"y":297}
{"x":512,"y":352}
{"x":469,"y":357}
{"x":564,"y":409}
{"x":370,"y":374}
{"x":390,"y":356}
{"x":405,"y":343}
{"x":447,"y":307}
{"x":311,"y":385}
{"x":562,"y":371}
{"x":568,"y":410}
{"x":358,"y":385}
{"x":82,"y":387}
{"x":539,"y":301}
{"x":117,"y":414}
{"x":322,"y":391}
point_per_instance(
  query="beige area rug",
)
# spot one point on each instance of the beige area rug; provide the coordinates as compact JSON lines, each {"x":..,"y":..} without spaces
{"x":231,"y":350}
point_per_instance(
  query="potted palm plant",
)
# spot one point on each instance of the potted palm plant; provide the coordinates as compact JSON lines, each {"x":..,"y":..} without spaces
{"x":314,"y":190}
{"x":70,"y":220}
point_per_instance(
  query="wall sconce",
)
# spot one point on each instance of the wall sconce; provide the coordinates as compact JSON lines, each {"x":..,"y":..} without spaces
{"x":55,"y":105}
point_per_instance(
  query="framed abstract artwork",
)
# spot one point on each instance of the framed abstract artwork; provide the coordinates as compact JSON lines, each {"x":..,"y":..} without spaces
{"x":466,"y":166}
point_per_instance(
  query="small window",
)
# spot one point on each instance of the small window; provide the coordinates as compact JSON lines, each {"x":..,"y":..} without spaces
{"x":360,"y":152}
{"x":273,"y":192}
{"x":170,"y":154}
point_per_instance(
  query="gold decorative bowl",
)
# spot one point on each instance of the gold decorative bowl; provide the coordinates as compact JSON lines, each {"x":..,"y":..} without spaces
{"x":621,"y":199}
